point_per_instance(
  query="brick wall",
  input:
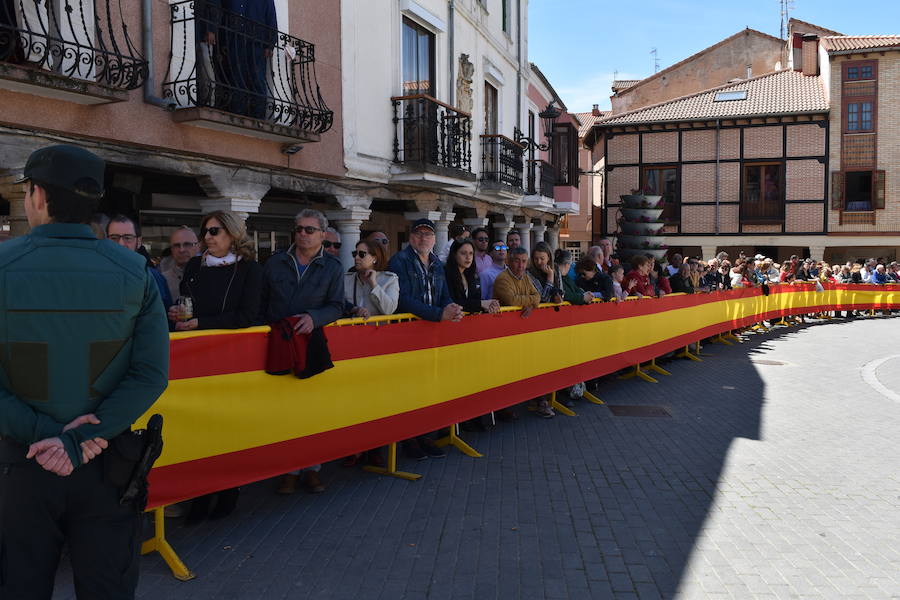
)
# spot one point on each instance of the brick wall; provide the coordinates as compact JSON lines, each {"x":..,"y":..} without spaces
{"x":803,"y":217}
{"x":698,"y":183}
{"x":805,"y":181}
{"x":729,"y":182}
{"x":660,"y":147}
{"x":729,"y":218}
{"x":620,"y":181}
{"x":623,"y":149}
{"x":805,"y":140}
{"x":698,"y":219}
{"x":698,"y":145}
{"x":729,"y":143}
{"x":763,"y":142}
{"x":762,"y":228}
{"x":887,"y":148}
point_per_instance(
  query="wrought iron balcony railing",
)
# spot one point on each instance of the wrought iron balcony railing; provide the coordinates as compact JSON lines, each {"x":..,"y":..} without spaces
{"x":541,"y":178}
{"x":428,"y":132}
{"x":78,"y":39}
{"x":501,"y":160}
{"x":227,"y":62}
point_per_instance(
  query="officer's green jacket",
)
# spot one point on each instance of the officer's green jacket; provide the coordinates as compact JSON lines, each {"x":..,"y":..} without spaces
{"x":82,"y":330}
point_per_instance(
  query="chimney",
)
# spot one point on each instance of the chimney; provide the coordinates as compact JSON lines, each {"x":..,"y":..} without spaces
{"x":749,"y":71}
{"x":810,"y":54}
{"x":596,"y":110}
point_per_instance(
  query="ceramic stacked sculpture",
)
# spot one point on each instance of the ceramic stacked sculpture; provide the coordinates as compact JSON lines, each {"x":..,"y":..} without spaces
{"x":640,"y":226}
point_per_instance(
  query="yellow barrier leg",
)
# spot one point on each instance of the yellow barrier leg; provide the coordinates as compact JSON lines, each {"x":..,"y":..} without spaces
{"x":391,"y":468}
{"x":730,"y":335}
{"x":759,"y":327}
{"x":638,"y":372}
{"x":699,"y":350}
{"x":592,"y":398}
{"x":652,"y":366}
{"x":454,"y":440}
{"x":560,"y":407}
{"x":686,"y":353}
{"x":719,"y":339}
{"x":158,"y":543}
{"x":783,"y":322}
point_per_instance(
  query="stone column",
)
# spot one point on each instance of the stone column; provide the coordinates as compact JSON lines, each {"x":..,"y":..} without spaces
{"x":15,"y":194}
{"x":347,"y":222}
{"x":501,"y":228}
{"x":441,"y":225}
{"x":524,"y":230}
{"x":553,"y":238}
{"x":709,"y":252}
{"x":817,"y":253}
{"x":540,"y":232}
{"x":239,"y":197}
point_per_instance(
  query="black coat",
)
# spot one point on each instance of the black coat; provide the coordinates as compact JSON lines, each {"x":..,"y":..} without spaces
{"x":471,"y":301}
{"x":601,"y":282}
{"x":680,"y":284}
{"x":224,"y":297}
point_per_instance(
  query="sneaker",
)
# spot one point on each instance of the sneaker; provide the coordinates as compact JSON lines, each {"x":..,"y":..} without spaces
{"x":413,"y":450}
{"x":544,"y":411}
{"x":433,"y":451}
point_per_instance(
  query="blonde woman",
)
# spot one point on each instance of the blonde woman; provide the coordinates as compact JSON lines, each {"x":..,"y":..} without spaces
{"x":224,"y":283}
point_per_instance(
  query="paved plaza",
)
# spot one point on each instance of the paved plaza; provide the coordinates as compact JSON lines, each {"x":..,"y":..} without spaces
{"x":776,"y":476}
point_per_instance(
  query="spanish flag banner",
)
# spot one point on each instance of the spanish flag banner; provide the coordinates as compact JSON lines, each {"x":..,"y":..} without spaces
{"x":228,"y":423}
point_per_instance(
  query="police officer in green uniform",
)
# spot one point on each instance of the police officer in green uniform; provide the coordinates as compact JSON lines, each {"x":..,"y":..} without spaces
{"x":83,"y":354}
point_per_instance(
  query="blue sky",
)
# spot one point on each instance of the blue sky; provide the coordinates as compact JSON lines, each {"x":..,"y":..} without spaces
{"x":580,"y":44}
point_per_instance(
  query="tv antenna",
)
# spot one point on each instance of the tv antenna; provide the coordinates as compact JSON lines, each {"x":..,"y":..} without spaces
{"x":786,"y":7}
{"x":655,"y":54}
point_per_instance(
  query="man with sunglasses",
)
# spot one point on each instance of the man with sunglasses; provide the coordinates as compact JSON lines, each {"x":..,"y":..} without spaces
{"x":332,"y":243}
{"x":380,"y":237}
{"x":499,"y":252}
{"x":306,"y":282}
{"x":481,"y":241}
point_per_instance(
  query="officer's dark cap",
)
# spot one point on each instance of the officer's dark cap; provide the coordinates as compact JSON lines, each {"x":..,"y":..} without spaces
{"x":67,"y":167}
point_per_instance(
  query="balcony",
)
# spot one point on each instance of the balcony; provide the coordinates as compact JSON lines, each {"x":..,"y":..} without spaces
{"x":501,"y":166}
{"x":74,"y":50}
{"x":230,"y":73}
{"x":541,"y":181}
{"x":432,"y":143}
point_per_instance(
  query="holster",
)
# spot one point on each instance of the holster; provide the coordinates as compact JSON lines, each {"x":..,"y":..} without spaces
{"x":128,"y":460}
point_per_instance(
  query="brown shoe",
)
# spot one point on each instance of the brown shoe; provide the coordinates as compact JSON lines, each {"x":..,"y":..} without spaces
{"x":288,"y":484}
{"x":312,"y":483}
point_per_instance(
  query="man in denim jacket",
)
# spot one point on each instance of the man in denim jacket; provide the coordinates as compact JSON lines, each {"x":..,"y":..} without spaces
{"x":423,"y":287}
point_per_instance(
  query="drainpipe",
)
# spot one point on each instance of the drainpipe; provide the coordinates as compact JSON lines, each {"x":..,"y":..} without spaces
{"x":718,"y":123}
{"x":451,"y":88}
{"x":519,"y":65}
{"x":150,"y":84}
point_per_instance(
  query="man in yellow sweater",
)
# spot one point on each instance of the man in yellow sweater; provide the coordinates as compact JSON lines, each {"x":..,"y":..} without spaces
{"x":513,"y":287}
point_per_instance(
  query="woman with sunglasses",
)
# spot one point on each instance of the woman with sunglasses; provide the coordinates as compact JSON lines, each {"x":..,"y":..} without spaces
{"x":463,"y":281}
{"x":370,"y":290}
{"x":225,"y":284}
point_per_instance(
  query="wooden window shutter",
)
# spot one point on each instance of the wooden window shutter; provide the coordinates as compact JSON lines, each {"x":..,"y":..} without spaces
{"x":878,"y":190}
{"x":837,"y":190}
{"x":573,"y":157}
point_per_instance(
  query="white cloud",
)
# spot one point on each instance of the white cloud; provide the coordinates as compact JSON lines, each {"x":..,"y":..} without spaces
{"x":593,"y":89}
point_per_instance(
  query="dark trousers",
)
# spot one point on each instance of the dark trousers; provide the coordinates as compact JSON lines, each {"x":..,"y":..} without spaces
{"x":40,"y":512}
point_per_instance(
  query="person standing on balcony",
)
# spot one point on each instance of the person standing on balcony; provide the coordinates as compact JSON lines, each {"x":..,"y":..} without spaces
{"x":242,"y":35}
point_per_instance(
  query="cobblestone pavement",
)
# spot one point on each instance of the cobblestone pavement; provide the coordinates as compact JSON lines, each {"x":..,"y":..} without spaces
{"x":768,"y":481}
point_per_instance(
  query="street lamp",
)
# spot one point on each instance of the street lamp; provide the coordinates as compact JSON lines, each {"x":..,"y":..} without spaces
{"x":548,"y":116}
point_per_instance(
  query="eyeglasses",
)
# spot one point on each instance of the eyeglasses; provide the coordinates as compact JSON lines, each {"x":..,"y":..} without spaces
{"x":383,"y":240}
{"x":360,"y":253}
{"x":327,"y":244}
{"x":501,"y":247}
{"x":213,"y":231}
{"x":307,"y":229}
{"x":127,"y":237}
{"x":184,"y":245}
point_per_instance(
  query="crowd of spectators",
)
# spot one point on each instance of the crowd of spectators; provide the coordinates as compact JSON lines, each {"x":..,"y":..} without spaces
{"x":307,"y":287}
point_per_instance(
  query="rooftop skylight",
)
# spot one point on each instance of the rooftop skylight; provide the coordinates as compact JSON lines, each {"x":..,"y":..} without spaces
{"x":728,"y":96}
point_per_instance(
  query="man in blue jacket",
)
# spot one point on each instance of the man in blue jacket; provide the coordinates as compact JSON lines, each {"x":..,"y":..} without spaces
{"x":423,"y":287}
{"x":423,"y":292}
{"x":305,"y":282}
